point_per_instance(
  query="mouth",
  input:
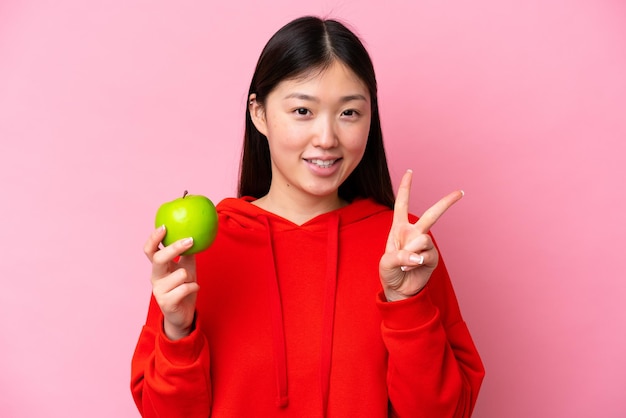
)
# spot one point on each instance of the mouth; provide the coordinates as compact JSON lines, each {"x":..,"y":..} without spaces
{"x":322,"y":163}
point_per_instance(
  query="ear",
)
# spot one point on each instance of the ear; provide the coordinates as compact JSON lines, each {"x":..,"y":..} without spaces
{"x":257,"y":113}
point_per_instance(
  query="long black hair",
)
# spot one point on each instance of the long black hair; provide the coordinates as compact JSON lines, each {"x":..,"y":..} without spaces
{"x":303,"y":45}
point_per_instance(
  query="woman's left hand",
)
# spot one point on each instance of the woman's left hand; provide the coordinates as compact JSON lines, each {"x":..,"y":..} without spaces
{"x":410,"y":255}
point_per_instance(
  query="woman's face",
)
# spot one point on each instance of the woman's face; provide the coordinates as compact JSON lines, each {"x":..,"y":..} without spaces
{"x":317,"y":128}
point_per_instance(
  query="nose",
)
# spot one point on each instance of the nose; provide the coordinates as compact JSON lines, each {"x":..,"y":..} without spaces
{"x":325,"y":135}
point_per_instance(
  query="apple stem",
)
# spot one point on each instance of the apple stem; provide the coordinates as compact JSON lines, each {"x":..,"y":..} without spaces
{"x":185,"y":194}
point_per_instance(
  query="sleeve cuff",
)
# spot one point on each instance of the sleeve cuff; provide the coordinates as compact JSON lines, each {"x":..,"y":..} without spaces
{"x":184,"y":351}
{"x":409,"y":313}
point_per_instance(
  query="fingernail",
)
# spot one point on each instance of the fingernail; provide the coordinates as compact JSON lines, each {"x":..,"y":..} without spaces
{"x":161,"y":228}
{"x":462,"y":192}
{"x":187,"y":241}
{"x":417,"y":259}
{"x":403,"y":268}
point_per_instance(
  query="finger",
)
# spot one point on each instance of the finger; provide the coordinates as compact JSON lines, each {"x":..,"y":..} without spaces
{"x":170,"y":302}
{"x":163,"y":257}
{"x":416,"y":261}
{"x":432,"y":214}
{"x":163,"y":285}
{"x":419,"y":243}
{"x":152,"y":245}
{"x":188,"y":262}
{"x":423,"y":259}
{"x":401,"y":207}
{"x":177,"y":294}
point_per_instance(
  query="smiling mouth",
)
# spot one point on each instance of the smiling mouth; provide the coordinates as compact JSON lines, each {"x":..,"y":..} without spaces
{"x":322,"y":163}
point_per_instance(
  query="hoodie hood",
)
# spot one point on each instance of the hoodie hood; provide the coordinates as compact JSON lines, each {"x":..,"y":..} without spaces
{"x":248,"y":216}
{"x":241,"y":213}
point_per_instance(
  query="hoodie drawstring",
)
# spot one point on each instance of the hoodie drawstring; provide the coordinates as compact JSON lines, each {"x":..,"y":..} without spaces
{"x":329,"y":308}
{"x":278,"y":328}
{"x":278,"y":323}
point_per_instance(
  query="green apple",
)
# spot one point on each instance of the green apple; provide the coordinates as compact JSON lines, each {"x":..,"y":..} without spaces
{"x":188,"y":216}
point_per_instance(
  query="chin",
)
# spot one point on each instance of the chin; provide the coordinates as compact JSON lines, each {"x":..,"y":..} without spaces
{"x":323,"y":192}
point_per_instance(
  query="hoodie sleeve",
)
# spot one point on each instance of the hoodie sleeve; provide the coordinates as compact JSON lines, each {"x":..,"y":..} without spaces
{"x":434,"y":369}
{"x":170,"y":378}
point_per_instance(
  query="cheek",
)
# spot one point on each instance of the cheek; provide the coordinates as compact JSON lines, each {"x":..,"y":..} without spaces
{"x":356,"y":140}
{"x":287,"y":135}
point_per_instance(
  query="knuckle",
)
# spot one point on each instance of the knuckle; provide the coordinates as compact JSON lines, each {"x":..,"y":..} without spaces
{"x":181,"y":274}
{"x":148,"y":249}
{"x":159,"y":258}
{"x":149,"y":253}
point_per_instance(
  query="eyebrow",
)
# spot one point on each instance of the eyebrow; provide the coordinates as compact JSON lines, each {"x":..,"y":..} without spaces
{"x":309,"y":98}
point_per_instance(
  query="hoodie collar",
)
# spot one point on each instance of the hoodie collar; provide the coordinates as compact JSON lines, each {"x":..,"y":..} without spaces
{"x":242,"y":212}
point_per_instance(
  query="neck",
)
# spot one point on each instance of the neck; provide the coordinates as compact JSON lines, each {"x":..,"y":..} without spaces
{"x":299,"y":209}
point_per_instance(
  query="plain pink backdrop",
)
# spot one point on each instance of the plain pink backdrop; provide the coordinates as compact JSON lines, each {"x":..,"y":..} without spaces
{"x":108,"y":108}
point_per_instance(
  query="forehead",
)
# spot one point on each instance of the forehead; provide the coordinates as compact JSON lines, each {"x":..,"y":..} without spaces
{"x":336,"y":76}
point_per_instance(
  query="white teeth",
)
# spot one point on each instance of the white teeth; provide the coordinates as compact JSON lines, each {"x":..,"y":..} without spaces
{"x":322,"y":163}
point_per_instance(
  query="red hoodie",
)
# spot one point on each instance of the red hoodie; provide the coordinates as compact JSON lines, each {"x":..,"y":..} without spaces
{"x":291,"y":322}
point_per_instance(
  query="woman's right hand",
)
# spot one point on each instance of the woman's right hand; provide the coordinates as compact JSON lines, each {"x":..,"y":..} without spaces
{"x":174,"y":283}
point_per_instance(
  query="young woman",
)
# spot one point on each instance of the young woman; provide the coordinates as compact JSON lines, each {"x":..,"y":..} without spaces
{"x":321,"y":296}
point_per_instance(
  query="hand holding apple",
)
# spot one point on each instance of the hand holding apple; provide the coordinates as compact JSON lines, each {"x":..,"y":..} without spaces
{"x":174,"y":283}
{"x":188,"y":216}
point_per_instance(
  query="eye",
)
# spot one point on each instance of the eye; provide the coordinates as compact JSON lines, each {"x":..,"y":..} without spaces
{"x":350,"y":113}
{"x":302,"y":111}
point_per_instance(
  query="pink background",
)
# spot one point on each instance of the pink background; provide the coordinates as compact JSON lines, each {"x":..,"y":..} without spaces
{"x":107,"y":109}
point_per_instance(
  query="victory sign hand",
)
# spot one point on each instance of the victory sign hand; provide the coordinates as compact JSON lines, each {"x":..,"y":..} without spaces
{"x":410,"y":255}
